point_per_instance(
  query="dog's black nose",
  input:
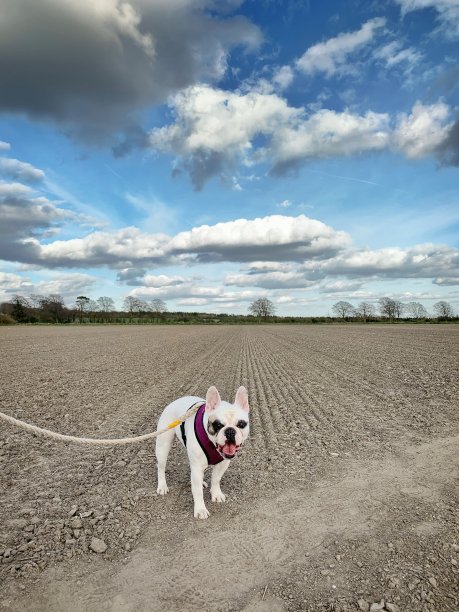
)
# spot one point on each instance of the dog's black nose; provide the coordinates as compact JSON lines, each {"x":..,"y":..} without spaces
{"x":230,"y":434}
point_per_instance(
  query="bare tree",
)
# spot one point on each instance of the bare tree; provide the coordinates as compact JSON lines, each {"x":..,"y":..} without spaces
{"x":53,"y":307}
{"x":93,"y":307}
{"x":263,"y":307}
{"x":142,"y":306}
{"x":106,"y":304}
{"x":399,"y":309}
{"x":20,"y":299}
{"x":365,"y":310}
{"x":133,"y":305}
{"x":443,"y":310}
{"x":416,"y":310}
{"x":157,"y":306}
{"x":36,"y":300}
{"x":343,"y":309}
{"x":392,"y":309}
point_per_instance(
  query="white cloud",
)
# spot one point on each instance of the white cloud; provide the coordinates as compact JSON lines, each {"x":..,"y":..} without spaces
{"x":283,"y":77}
{"x":423,"y":131}
{"x":245,"y":240}
{"x":4,"y":146}
{"x":394,"y":54}
{"x":331,"y":56}
{"x":25,"y":218}
{"x":348,"y":269}
{"x":191,"y":291}
{"x":193,"y":302}
{"x":20,"y":171}
{"x":420,"y":261}
{"x":448,"y":12}
{"x":448,"y":281}
{"x":328,"y":133}
{"x":162,"y":280}
{"x":214,"y":130}
{"x":340,"y":286}
{"x":13,"y":283}
{"x":276,"y":236}
{"x":69,"y":285}
{"x":291,"y":279}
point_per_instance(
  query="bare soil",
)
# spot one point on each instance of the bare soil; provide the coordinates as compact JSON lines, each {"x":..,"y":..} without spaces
{"x":345,"y":495}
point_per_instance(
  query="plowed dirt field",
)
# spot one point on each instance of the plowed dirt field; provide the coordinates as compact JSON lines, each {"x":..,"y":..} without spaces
{"x":345,"y":495}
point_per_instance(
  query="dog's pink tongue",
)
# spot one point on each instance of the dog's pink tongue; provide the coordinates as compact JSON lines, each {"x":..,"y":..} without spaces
{"x":229,"y":449}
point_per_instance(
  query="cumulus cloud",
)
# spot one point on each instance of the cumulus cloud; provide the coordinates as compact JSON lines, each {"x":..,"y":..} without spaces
{"x":420,"y":261}
{"x":4,"y":146}
{"x":447,"y":12}
{"x":283,"y":77}
{"x":331,"y":57}
{"x":107,"y":59}
{"x":328,"y":133}
{"x":163,"y":280}
{"x":423,"y":131}
{"x":213,"y":130}
{"x":20,"y":171}
{"x":25,"y":219}
{"x":276,"y":236}
{"x":340,"y":286}
{"x":13,"y":283}
{"x":192,"y":293}
{"x":347,"y":270}
{"x":68,"y":285}
{"x":291,"y":279}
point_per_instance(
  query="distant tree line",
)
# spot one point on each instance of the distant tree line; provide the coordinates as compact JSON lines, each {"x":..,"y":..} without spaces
{"x":52,"y":309}
{"x":388,"y":308}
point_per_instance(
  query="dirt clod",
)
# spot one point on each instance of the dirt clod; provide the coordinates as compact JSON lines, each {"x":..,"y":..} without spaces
{"x":97,"y":545}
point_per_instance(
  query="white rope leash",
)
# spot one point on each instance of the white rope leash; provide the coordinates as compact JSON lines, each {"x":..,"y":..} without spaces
{"x":33,"y":429}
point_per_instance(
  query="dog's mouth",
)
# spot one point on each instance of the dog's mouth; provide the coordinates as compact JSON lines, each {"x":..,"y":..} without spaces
{"x":228,"y":450}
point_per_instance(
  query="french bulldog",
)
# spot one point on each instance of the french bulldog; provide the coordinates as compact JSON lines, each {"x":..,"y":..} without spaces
{"x":213,"y":436}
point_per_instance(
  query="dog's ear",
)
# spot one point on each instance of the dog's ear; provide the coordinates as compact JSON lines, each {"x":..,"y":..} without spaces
{"x":242,"y":399}
{"x":213,"y":399}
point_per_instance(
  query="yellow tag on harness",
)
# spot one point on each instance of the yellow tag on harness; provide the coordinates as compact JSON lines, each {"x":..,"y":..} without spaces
{"x":174,"y":424}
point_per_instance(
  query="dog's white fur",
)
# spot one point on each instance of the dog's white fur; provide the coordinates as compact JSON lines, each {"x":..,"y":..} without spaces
{"x":228,"y":415}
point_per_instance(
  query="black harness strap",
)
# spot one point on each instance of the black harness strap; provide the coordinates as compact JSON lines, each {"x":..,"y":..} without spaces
{"x":182,"y":430}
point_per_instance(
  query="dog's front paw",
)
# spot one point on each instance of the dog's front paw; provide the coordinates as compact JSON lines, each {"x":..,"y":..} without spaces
{"x":162,"y":489}
{"x":201,"y":513}
{"x":218,"y":496}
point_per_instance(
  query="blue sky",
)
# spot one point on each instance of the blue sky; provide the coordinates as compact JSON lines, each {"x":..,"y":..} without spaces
{"x":208,"y":153}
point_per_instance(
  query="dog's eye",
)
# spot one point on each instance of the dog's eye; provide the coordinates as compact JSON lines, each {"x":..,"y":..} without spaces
{"x":241,"y":424}
{"x":217,"y":425}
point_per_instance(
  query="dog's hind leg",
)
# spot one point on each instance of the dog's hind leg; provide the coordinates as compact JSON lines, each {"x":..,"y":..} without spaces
{"x":163,"y":446}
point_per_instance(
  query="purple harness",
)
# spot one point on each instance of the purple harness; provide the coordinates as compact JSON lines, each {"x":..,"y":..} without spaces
{"x":213,"y":456}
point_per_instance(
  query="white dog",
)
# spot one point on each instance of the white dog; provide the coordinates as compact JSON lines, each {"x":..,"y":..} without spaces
{"x":212,"y":437}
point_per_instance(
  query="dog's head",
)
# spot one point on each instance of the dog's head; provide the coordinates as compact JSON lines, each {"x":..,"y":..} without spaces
{"x":228,"y":424}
